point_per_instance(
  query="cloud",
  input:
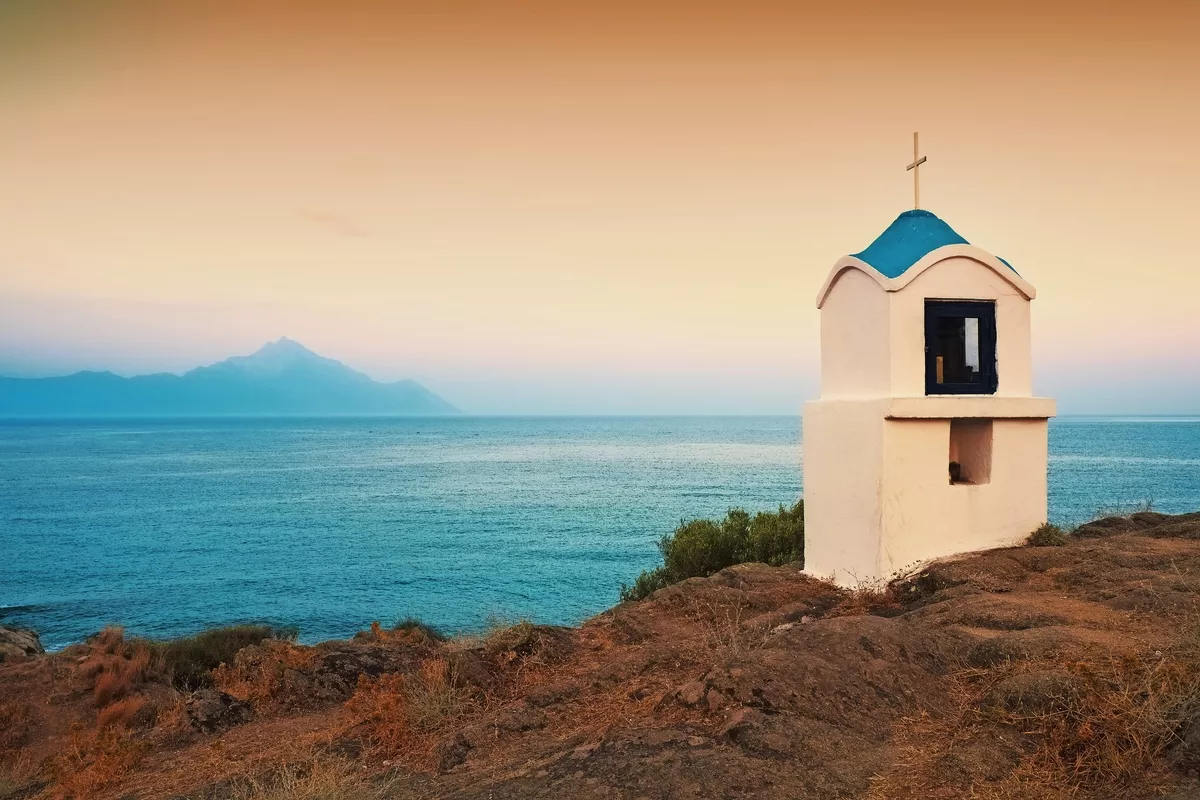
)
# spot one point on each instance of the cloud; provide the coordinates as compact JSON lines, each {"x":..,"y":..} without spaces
{"x":335,"y":223}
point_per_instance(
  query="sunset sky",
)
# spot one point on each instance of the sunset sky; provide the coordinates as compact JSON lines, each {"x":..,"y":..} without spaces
{"x":563,"y":207}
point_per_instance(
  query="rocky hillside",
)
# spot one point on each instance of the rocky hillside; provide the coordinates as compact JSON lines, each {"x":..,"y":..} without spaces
{"x":1029,"y":672}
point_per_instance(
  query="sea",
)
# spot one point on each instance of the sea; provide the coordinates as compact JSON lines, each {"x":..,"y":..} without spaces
{"x":167,"y":527}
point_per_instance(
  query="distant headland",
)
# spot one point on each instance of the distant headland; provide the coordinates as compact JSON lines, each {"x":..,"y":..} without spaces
{"x":282,"y":377}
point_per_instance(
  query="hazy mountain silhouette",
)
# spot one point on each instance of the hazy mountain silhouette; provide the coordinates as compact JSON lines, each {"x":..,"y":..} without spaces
{"x":283,"y":377}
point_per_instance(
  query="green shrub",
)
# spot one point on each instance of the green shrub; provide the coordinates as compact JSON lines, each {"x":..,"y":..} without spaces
{"x":1049,"y":536}
{"x":701,"y":547}
{"x":190,"y":660}
{"x":645,"y":584}
{"x":778,"y":538}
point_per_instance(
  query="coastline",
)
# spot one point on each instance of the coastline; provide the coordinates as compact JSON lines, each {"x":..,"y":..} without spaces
{"x":328,"y":525}
{"x":757,"y":676}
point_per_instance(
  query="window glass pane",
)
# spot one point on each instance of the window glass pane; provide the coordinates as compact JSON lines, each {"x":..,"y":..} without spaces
{"x":971,"y":340}
{"x":957,"y":350}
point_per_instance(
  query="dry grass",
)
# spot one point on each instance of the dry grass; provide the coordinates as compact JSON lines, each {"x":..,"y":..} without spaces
{"x":121,"y":672}
{"x":120,"y":714}
{"x":1048,"y":535}
{"x":16,"y":774}
{"x":118,"y":666}
{"x":434,"y":700}
{"x":406,"y":713}
{"x":316,"y":780}
{"x":117,"y":671}
{"x":1105,"y":737}
{"x":171,"y":720}
{"x":724,"y":627}
{"x":409,"y":630}
{"x":110,"y":640}
{"x":505,"y":633}
{"x":1104,"y":732}
{"x":1116,"y":727}
{"x":867,"y":598}
{"x":91,"y":761}
{"x":257,"y":676}
{"x":1125,"y":509}
{"x":594,"y":714}
{"x":518,"y":647}
{"x":16,"y":723}
{"x":382,"y":705}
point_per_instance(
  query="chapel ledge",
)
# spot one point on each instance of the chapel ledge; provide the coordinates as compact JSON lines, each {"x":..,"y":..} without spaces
{"x":960,"y":406}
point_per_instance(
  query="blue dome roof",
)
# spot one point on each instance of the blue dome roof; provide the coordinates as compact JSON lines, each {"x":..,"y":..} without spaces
{"x":906,"y":241}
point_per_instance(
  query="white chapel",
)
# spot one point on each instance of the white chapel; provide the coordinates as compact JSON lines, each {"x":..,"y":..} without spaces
{"x":926,"y":439}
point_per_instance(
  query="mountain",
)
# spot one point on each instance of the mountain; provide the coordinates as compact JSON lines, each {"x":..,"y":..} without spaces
{"x":283,"y":377}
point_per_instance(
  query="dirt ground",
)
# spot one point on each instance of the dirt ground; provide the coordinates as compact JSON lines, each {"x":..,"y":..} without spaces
{"x":1027,"y":672}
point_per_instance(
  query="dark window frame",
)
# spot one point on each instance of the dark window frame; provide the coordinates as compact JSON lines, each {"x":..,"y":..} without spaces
{"x":985,"y":312}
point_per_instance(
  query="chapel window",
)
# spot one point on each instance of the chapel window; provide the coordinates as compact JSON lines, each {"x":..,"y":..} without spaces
{"x":960,"y":347}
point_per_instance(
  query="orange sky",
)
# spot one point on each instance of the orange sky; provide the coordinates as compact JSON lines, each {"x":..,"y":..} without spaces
{"x":603,"y":207}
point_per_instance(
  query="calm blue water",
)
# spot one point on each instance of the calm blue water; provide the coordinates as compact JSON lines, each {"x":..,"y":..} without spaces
{"x":170,"y":526}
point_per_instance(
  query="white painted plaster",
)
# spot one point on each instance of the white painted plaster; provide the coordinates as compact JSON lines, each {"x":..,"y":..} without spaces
{"x":991,"y":406}
{"x":877,"y":492}
{"x":855,"y":346}
{"x":843,"y":484}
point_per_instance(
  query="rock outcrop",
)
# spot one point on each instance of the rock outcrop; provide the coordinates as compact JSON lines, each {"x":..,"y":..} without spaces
{"x":19,"y":644}
{"x":210,"y":711}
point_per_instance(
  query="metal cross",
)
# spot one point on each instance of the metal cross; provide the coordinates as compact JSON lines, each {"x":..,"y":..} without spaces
{"x":917,"y":161}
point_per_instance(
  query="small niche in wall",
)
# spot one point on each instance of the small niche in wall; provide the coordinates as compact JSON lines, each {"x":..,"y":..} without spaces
{"x":970,"y":451}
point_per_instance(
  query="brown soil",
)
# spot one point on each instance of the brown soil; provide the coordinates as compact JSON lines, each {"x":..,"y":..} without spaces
{"x":1039,"y":672}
